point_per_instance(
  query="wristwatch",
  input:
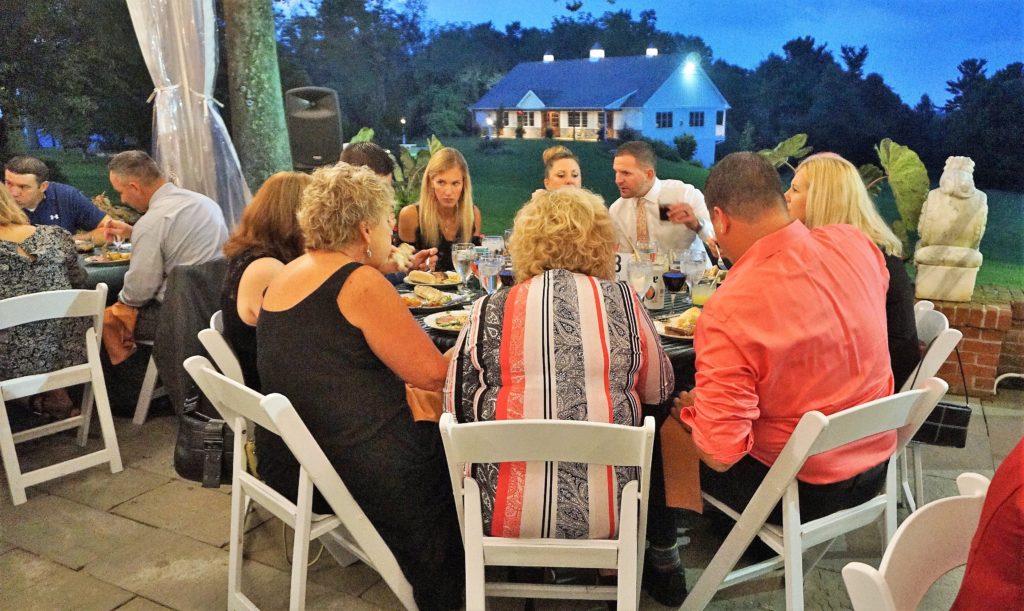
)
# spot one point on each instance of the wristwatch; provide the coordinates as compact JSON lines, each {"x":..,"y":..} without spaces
{"x":700,"y":226}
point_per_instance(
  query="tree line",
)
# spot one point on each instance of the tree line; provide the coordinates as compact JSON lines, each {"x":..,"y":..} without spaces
{"x":72,"y":68}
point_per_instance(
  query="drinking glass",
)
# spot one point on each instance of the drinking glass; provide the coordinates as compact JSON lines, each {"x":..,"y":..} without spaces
{"x":507,"y":277}
{"x":494,"y":244}
{"x":674,"y":282}
{"x":489,"y":267}
{"x":647,"y":250}
{"x":507,"y":236}
{"x":640,"y":274}
{"x":693,"y":265}
{"x":702,"y":291}
{"x":462,"y":258}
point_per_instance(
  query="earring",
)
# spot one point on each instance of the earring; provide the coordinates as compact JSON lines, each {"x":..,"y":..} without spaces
{"x":369,"y":254}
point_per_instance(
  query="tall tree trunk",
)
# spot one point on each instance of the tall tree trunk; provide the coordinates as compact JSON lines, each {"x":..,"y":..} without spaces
{"x":254,"y":81}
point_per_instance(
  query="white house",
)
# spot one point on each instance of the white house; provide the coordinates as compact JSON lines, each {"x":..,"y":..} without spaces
{"x":661,"y":96}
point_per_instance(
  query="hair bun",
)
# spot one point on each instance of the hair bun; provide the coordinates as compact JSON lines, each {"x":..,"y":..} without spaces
{"x":554,"y":152}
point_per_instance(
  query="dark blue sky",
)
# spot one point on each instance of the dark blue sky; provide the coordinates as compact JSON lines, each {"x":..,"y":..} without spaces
{"x":914,"y":44}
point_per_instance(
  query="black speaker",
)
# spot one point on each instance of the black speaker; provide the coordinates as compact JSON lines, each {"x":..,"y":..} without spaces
{"x":314,"y":126}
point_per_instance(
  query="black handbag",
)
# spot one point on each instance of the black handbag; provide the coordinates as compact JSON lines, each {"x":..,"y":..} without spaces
{"x":947,"y":424}
{"x":204,"y":451}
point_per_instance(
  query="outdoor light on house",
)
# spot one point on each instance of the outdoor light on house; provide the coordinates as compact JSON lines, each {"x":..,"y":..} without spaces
{"x":549,"y":57}
{"x":596,"y":52}
{"x":652,"y":51}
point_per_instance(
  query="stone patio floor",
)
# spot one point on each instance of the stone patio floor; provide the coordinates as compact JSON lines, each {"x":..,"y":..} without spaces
{"x":145,"y":539}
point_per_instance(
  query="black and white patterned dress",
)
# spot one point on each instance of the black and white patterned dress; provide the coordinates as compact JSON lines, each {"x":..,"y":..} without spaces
{"x":51,"y":265}
{"x":560,"y":346}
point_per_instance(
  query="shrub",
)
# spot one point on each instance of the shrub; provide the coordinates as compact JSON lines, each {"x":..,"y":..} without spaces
{"x":686,"y":146}
{"x":520,"y":131}
{"x":549,"y":133}
{"x":663,"y":149}
{"x":628,"y":134}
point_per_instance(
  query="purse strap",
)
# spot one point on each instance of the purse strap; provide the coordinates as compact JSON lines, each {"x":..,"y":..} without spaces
{"x":959,"y":364}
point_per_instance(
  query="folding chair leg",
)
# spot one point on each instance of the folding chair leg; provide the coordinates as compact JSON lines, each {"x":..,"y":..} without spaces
{"x":10,"y":457}
{"x":908,"y":496}
{"x":792,"y":550}
{"x":146,"y":392}
{"x":86,"y":407}
{"x":475,"y":588}
{"x":97,"y":392}
{"x":236,"y":547}
{"x":918,"y":476}
{"x":336,"y":549}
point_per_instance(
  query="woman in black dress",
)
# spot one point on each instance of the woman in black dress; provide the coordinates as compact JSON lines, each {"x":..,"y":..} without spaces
{"x":337,"y":340}
{"x":827,"y":190}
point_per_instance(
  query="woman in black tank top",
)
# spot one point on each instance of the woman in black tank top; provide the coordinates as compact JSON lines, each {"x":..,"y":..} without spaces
{"x":335,"y":338}
{"x":445,"y":214}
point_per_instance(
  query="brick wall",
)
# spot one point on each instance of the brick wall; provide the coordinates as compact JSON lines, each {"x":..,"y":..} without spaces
{"x":993,"y":343}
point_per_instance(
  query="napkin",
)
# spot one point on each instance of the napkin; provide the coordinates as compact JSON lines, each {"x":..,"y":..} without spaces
{"x":119,"y":331}
{"x":682,"y":467}
{"x":424,"y":404}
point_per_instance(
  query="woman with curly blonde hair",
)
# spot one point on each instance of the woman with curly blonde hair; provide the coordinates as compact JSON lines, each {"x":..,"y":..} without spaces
{"x":445,"y":214}
{"x":336,"y":339}
{"x":565,"y":342}
{"x":828,"y":190}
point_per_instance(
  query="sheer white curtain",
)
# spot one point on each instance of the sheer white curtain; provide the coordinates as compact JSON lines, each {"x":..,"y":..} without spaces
{"x":178,"y":39}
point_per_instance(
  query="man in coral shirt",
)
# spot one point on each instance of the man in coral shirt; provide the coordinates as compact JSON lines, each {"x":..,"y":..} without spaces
{"x":798,"y":326}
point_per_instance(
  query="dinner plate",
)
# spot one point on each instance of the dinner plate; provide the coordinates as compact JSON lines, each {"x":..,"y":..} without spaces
{"x":447,"y":284}
{"x":456,"y":300}
{"x":101,"y":260}
{"x":431,"y":321}
{"x":660,"y":326}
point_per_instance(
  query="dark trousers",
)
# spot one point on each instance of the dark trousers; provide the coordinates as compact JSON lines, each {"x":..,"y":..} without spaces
{"x":737,"y":486}
{"x":661,"y":519}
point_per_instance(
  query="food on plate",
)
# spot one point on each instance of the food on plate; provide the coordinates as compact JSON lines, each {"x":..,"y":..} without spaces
{"x":402,"y":256}
{"x":421,"y":277}
{"x":110,"y":257}
{"x":684,"y":324}
{"x":426,"y":297}
{"x":452,"y":322}
{"x":84,"y":245}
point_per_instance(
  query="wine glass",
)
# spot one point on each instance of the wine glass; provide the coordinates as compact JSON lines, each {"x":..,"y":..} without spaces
{"x":494,"y":244}
{"x":640,"y":274}
{"x":647,"y":250}
{"x":507,"y":277}
{"x":463,"y":255}
{"x":674,"y":282}
{"x":489,"y":267}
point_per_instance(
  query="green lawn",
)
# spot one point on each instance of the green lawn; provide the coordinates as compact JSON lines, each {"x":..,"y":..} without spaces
{"x":504,"y":180}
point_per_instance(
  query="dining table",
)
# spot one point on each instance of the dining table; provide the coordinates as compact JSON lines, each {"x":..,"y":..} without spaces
{"x":111,"y":274}
{"x":679,"y":350}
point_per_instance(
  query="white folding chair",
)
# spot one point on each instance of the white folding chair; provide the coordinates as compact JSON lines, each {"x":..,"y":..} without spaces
{"x":45,"y":306}
{"x":931,"y":542}
{"x":217,"y":321}
{"x":347,"y":534}
{"x":814,"y":434}
{"x":213,"y":340}
{"x":932,"y":330}
{"x":551,"y":440}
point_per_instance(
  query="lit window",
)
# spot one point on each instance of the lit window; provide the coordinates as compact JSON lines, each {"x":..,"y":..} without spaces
{"x":663,"y":119}
{"x":696,"y":119}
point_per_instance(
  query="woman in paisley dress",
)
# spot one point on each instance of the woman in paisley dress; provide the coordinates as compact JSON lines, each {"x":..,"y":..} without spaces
{"x":35,"y":259}
{"x":565,"y":342}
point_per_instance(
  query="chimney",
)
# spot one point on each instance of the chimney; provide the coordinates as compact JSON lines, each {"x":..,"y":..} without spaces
{"x":549,"y":56}
{"x":596,"y":52}
{"x":652,"y":51}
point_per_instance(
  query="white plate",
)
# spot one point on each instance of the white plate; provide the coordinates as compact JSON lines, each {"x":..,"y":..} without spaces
{"x":453,"y":280}
{"x":660,"y":326}
{"x":431,"y":320}
{"x":423,"y":309}
{"x":101,"y":260}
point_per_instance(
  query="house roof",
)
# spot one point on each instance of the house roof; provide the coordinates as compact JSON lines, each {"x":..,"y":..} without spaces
{"x":611,"y":83}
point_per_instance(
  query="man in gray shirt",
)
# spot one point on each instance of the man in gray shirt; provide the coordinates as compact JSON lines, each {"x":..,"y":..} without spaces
{"x":178,"y":227}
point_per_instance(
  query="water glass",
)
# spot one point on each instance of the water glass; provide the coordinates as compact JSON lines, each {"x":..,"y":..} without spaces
{"x":640,"y":276}
{"x":648,"y":250}
{"x":693,"y":265}
{"x":489,"y":267}
{"x":462,"y":258}
{"x":494,"y":244}
{"x":508,"y":237}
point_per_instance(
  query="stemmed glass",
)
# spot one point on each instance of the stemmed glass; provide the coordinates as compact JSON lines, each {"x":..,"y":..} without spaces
{"x":640,"y":274}
{"x":489,"y":266}
{"x":674,"y":282}
{"x":494,"y":244}
{"x":463,"y":255}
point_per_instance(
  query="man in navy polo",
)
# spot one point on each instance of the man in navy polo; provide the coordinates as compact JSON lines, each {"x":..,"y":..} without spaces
{"x":51,"y":203}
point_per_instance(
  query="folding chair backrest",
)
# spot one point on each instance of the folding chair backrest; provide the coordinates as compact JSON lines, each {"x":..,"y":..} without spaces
{"x":231,"y":399}
{"x":917,"y":555}
{"x":222,"y":354}
{"x":55,"y":304}
{"x":903,"y":412}
{"x":932,"y":330}
{"x":217,"y":321}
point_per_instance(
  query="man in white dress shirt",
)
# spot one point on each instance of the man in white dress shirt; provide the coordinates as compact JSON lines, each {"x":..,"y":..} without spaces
{"x":637,"y":212}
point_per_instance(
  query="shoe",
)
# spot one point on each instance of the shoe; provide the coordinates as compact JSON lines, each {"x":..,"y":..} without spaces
{"x":666,"y":587}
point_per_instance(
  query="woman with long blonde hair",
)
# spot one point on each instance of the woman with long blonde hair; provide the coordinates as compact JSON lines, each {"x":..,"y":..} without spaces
{"x":828,"y":190}
{"x":445,"y":214}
